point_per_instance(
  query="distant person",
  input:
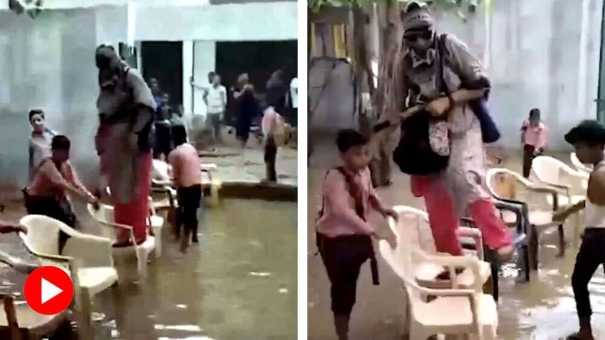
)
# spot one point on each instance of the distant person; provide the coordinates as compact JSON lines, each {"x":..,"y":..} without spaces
{"x":163,"y":140}
{"x":534,"y":135}
{"x":588,"y":140}
{"x":53,"y":181}
{"x":238,"y":88}
{"x":274,"y":131}
{"x":39,"y":141}
{"x":294,"y":101}
{"x":216,"y":102}
{"x":344,"y":235}
{"x":248,"y":108}
{"x":187,"y":176}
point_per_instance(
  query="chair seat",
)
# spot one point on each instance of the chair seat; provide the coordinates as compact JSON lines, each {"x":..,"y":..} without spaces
{"x":536,"y":217}
{"x":208,"y":167}
{"x":97,"y":279}
{"x":564,"y":200}
{"x":148,"y":245}
{"x":157,"y":221}
{"x":426,"y":276}
{"x":163,"y":204}
{"x":35,"y":322}
{"x":455,"y":311}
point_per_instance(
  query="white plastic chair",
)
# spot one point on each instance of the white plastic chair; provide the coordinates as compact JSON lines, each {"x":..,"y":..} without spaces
{"x":548,"y":170}
{"x":579,"y":165}
{"x":414,"y":232}
{"x":86,"y":258}
{"x":540,"y":221}
{"x":104,"y":216}
{"x":453,"y":311}
{"x":18,"y":317}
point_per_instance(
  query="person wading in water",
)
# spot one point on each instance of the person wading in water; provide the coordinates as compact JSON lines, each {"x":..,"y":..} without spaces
{"x":126,"y":111}
{"x":457,"y":191}
{"x":588,"y":140}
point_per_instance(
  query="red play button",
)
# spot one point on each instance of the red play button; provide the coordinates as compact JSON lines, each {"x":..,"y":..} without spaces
{"x":48,"y":290}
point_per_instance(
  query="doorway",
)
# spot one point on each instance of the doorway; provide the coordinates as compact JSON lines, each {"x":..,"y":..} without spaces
{"x":163,"y":60}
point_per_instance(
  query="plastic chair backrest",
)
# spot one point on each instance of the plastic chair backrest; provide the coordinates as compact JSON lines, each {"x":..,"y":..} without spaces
{"x":501,"y":183}
{"x":104,"y":215}
{"x":42,"y":234}
{"x":548,"y":169}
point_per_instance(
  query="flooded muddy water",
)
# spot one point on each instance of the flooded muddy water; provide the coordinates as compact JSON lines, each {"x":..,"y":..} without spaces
{"x":543,"y":309}
{"x":239,"y":282}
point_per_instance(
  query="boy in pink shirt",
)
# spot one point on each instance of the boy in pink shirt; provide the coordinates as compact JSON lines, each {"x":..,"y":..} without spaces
{"x":271,"y":124}
{"x":533,"y":136}
{"x":188,"y":182}
{"x":343,"y":232}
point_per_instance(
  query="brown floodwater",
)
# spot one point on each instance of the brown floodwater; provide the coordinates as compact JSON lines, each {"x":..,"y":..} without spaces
{"x":543,"y":309}
{"x":239,"y":282}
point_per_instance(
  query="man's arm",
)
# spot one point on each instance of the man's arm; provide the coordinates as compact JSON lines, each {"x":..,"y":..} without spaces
{"x":53,"y":174}
{"x":224,"y":97}
{"x":596,"y":187}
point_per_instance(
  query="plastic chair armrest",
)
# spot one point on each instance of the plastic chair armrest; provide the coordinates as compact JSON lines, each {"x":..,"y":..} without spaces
{"x":18,"y":264}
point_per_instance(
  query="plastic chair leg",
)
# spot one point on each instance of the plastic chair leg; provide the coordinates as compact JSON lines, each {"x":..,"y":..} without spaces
{"x":526,"y":265}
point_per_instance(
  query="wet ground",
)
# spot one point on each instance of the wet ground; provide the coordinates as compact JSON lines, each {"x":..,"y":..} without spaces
{"x":239,"y":282}
{"x":542,"y":309}
{"x":249,"y":165}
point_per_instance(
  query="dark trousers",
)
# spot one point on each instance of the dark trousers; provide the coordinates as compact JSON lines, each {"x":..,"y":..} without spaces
{"x":343,"y":258}
{"x":528,"y":157}
{"x":189,"y":202}
{"x":214,"y":122}
{"x":589,"y":258}
{"x":54,"y":207}
{"x":270,"y":158}
{"x":163,"y":140}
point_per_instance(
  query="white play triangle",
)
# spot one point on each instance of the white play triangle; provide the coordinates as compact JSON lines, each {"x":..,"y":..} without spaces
{"x":49,"y":291}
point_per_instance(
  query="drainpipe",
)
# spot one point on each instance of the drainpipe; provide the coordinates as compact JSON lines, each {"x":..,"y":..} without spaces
{"x":582,"y":69}
{"x":600,"y":89}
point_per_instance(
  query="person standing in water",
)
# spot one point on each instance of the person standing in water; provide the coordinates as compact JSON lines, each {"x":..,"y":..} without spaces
{"x":126,"y":112}
{"x":418,"y":78}
{"x":344,"y":235}
{"x":588,"y":140}
{"x":533,"y":136}
{"x":216,"y":102}
{"x":185,"y":165}
{"x":39,"y":141}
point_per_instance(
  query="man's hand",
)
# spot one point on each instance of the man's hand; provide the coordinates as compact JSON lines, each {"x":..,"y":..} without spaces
{"x":94,"y":202}
{"x":439,"y":106}
{"x":13,"y":228}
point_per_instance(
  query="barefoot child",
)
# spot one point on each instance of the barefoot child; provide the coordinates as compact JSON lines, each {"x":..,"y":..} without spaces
{"x":188,"y":182}
{"x":343,"y":232}
{"x":533,"y":137}
{"x":588,"y":140}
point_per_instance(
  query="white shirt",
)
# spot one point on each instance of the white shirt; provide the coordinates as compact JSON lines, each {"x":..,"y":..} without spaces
{"x":294,"y":92}
{"x":217,"y":99}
